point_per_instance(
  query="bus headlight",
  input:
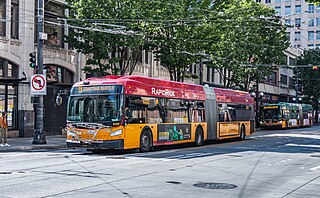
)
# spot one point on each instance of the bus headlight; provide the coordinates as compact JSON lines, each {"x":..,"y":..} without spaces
{"x":117,"y":132}
{"x":71,"y":133}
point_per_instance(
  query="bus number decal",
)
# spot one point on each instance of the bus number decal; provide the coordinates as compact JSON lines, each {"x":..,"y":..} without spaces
{"x":173,"y":132}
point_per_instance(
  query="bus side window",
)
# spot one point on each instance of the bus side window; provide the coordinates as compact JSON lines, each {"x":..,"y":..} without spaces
{"x":221,"y":113}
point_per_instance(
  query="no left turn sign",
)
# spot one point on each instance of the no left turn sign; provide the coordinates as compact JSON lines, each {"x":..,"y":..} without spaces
{"x":38,"y":84}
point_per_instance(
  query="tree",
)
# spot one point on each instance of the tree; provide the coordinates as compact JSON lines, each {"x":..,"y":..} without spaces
{"x":308,"y":77}
{"x":313,"y":1}
{"x":98,"y":30}
{"x":170,"y":33}
{"x":247,"y":35}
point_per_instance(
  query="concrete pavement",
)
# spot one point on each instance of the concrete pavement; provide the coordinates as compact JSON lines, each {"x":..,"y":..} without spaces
{"x":22,"y":144}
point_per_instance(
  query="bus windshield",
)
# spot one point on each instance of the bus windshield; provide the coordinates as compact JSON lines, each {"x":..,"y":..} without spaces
{"x":271,"y":113}
{"x":103,"y":109}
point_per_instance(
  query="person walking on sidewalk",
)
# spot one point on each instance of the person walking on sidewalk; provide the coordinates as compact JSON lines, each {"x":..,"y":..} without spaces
{"x":3,"y":129}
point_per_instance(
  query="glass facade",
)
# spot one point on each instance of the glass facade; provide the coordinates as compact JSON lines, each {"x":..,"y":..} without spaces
{"x":9,"y":91}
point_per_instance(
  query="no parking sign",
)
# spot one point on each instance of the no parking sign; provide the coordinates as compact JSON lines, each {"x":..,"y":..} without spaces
{"x":38,"y":84}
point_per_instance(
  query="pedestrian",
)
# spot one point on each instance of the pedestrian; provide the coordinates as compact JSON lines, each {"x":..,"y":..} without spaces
{"x":3,"y":129}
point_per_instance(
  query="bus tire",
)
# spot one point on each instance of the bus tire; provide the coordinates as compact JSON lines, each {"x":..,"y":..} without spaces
{"x":286,"y":125}
{"x":145,"y":141}
{"x":242,"y":133}
{"x":199,"y":137}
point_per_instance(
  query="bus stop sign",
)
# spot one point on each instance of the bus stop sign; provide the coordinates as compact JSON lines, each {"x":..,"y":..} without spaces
{"x":38,"y":84}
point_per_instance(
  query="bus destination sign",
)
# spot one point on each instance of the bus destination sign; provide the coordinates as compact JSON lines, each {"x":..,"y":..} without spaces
{"x":96,"y":89}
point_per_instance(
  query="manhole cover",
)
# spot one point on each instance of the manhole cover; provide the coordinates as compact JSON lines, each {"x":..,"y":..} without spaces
{"x":173,"y":182}
{"x":5,"y":173}
{"x":215,"y":185}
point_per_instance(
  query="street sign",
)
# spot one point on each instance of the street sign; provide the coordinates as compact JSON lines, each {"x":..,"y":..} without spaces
{"x":38,"y":84}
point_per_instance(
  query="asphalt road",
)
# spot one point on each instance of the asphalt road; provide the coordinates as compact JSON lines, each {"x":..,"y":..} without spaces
{"x":274,"y":163}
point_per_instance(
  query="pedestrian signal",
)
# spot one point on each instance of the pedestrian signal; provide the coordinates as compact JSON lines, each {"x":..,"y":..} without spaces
{"x":315,"y":67}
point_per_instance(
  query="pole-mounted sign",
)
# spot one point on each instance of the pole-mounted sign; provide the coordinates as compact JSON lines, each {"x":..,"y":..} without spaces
{"x":38,"y":84}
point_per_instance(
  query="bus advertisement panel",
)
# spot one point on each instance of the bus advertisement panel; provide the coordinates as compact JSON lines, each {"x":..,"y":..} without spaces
{"x":128,"y":112}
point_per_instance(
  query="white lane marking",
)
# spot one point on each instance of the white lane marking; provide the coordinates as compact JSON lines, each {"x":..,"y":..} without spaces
{"x":282,"y":161}
{"x":304,"y":145}
{"x":314,"y":168}
{"x":292,"y":135}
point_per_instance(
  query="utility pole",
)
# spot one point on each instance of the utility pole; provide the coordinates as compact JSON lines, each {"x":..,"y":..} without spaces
{"x":39,"y":134}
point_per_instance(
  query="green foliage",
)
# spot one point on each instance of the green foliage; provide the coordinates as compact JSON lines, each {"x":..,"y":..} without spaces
{"x":109,"y":49}
{"x":247,"y":33}
{"x":235,"y":34}
{"x":313,"y":1}
{"x":307,"y":77}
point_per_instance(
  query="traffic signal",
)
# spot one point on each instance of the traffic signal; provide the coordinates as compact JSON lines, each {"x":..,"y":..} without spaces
{"x":315,"y":67}
{"x":32,"y":60}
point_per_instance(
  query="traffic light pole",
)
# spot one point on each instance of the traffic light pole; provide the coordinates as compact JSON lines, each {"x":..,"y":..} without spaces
{"x":39,"y":134}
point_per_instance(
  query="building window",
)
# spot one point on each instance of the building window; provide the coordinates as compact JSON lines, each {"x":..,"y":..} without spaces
{"x":287,"y":10}
{"x":278,"y":10}
{"x":284,"y":79}
{"x":318,"y":35}
{"x":297,"y":22}
{"x":146,"y":57}
{"x":55,"y":33}
{"x":1,"y":67}
{"x":297,"y":36}
{"x":311,"y":22}
{"x":318,"y":9}
{"x":272,"y":78}
{"x":298,"y":8}
{"x":258,"y":1}
{"x":208,"y":74}
{"x":311,"y":8}
{"x":268,"y":1}
{"x":2,"y":17}
{"x":310,"y":35}
{"x":277,"y":1}
{"x":56,"y":74}
{"x":310,"y":46}
{"x":15,"y":19}
{"x":317,"y":45}
{"x":288,"y":22}
{"x":9,"y":70}
{"x":288,"y":35}
{"x":318,"y":22}
{"x":212,"y":74}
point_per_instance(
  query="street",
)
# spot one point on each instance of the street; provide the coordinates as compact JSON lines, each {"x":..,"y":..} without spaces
{"x":270,"y":163}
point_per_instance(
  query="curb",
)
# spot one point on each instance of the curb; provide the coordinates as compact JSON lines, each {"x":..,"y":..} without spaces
{"x":32,"y":147}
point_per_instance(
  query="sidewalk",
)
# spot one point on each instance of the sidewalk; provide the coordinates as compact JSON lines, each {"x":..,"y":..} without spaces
{"x":23,"y":144}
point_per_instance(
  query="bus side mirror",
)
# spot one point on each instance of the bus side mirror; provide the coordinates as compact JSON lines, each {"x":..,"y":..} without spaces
{"x":58,"y":100}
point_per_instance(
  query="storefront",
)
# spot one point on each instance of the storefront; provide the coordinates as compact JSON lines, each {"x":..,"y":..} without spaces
{"x":9,"y":92}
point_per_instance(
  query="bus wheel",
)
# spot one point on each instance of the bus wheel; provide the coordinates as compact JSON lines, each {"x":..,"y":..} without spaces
{"x":242,"y":133}
{"x":286,"y":126}
{"x":145,"y":141}
{"x":199,"y":137}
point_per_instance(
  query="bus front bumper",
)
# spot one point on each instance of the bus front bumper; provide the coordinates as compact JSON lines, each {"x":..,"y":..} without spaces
{"x":109,"y":144}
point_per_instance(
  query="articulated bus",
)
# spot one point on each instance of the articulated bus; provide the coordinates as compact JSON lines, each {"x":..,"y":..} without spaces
{"x":135,"y":112}
{"x":286,"y":115}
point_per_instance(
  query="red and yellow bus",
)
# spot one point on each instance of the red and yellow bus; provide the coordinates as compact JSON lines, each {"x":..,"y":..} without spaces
{"x":128,"y":112}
